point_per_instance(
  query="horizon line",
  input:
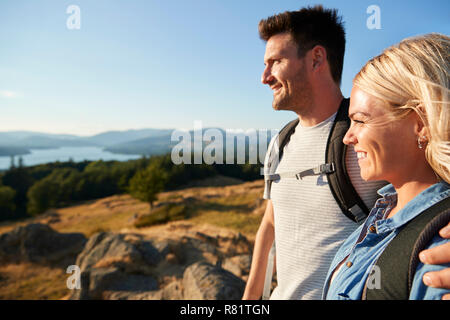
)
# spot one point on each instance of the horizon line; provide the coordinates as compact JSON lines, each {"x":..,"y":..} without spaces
{"x":126,"y":130}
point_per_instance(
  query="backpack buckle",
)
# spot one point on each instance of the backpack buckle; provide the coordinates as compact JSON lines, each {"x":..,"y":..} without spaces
{"x":326,"y":168}
{"x":320,"y":169}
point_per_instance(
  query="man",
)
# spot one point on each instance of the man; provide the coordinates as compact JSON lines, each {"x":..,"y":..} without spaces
{"x":303,"y":66}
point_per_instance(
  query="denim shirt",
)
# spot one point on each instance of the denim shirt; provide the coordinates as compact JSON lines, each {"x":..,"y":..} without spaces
{"x":366,"y":244}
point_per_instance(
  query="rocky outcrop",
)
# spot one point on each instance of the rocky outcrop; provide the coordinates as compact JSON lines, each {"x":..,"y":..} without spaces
{"x":178,"y":261}
{"x":117,"y":263}
{"x":188,"y":266}
{"x":203,"y":281}
{"x":38,"y":243}
{"x":238,"y":265}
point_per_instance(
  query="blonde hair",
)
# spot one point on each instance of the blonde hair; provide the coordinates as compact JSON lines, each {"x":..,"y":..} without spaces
{"x":414,"y":76}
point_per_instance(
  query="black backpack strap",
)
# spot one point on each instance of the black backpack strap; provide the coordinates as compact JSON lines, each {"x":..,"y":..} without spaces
{"x":398,"y":262}
{"x":283,"y":138}
{"x":340,"y":184}
{"x":285,"y":135}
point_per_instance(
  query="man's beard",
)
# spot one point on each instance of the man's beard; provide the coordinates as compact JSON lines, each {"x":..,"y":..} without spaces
{"x":295,"y":101}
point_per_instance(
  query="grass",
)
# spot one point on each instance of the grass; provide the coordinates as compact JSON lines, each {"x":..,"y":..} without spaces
{"x":27,"y":281}
{"x":244,"y":223}
{"x":95,"y":223}
{"x":164,"y":214}
{"x":233,"y":212}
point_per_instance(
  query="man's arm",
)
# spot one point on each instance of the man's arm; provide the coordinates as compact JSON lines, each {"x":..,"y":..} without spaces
{"x":438,"y":255}
{"x":263,"y":243}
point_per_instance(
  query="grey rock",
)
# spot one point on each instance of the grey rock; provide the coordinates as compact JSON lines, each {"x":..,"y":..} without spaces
{"x":39,"y":243}
{"x":110,"y":264}
{"x":113,"y":279}
{"x":129,"y":267}
{"x":152,"y":254}
{"x":106,"y":245}
{"x":130,"y":295}
{"x":163,"y":247}
{"x":238,"y":265}
{"x":173,"y":291}
{"x":203,"y":281}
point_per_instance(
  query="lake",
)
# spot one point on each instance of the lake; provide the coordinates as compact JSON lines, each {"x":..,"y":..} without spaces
{"x":77,"y":154}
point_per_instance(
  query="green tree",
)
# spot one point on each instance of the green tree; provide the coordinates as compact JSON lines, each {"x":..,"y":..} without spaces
{"x":21,"y":162}
{"x":56,"y":190}
{"x":146,"y":184}
{"x":7,"y":205}
{"x":42,"y":196}
{"x":20,"y":181}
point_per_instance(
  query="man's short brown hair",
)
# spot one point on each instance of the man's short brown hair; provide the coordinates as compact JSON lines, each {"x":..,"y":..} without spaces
{"x":309,"y":27}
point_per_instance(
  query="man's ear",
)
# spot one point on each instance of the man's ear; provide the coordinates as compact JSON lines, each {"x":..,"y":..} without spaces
{"x":318,"y":57}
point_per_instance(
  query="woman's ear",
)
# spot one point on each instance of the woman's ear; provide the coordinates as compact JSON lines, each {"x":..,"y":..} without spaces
{"x":420,"y":129}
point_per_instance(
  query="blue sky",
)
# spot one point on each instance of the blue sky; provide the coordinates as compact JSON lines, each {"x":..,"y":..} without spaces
{"x":164,"y":64}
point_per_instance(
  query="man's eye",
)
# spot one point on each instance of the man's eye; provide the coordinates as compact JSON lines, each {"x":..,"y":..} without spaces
{"x":358,"y":121}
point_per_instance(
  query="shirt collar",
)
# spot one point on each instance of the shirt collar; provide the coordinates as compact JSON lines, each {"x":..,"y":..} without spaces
{"x":421,"y":202}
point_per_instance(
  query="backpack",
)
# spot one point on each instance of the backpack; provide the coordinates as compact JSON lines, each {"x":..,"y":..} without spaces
{"x":334,"y":167}
{"x":398,"y":262}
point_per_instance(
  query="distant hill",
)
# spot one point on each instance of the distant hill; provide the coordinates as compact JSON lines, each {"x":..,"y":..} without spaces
{"x":117,"y":137}
{"x":147,"y":146}
{"x":43,"y":142}
{"x":140,"y":142}
{"x":13,"y":151}
{"x":37,"y":140}
{"x":19,"y":135}
{"x":20,"y":142}
{"x":158,"y":145}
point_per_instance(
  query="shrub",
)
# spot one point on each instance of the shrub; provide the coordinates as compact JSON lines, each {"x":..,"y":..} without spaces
{"x":167,"y":213}
{"x":146,"y":184}
{"x":7,"y":205}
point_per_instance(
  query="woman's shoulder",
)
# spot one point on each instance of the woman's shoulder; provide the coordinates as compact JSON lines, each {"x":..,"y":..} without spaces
{"x":420,"y":291}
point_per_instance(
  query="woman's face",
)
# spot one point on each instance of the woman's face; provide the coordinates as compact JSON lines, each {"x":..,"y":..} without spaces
{"x":387,"y":149}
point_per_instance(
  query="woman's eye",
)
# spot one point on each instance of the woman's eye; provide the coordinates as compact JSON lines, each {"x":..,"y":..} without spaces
{"x":358,"y":121}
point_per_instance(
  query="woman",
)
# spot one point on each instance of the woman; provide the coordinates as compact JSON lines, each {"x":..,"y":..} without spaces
{"x":400,"y":128}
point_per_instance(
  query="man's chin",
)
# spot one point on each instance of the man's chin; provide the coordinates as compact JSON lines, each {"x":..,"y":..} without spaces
{"x":278,"y":107}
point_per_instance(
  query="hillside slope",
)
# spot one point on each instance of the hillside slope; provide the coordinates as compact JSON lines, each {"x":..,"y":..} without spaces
{"x":211,"y":213}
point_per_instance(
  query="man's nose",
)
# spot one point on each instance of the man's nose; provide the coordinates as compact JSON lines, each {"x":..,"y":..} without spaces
{"x":267,"y":76}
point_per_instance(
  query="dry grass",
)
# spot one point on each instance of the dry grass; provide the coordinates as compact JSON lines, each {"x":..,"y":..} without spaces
{"x":27,"y":281}
{"x":212,"y":209}
{"x":164,"y":214}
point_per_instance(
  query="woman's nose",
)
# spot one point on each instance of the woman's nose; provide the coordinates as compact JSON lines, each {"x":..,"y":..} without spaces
{"x":349,"y":137}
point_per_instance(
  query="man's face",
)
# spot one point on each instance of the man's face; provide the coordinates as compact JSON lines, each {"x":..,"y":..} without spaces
{"x":286,"y":74}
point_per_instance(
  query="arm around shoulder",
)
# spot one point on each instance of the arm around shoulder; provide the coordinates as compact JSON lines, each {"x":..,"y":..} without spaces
{"x":419,"y":290}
